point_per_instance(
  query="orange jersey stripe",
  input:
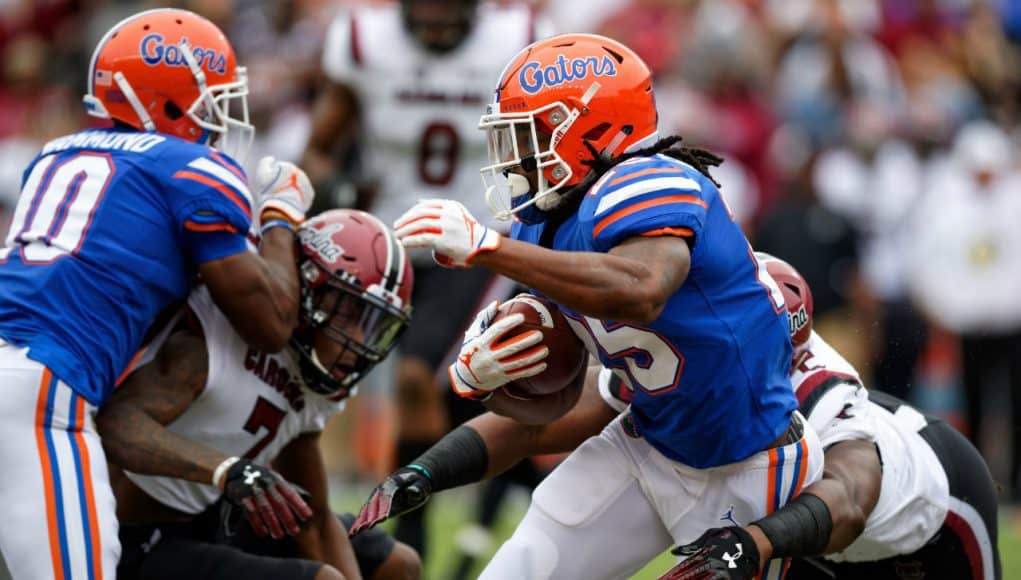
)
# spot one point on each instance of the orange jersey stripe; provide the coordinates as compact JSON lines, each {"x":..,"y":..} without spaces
{"x":226,"y":165}
{"x":802,"y":468}
{"x":622,"y":213}
{"x":46,"y":460}
{"x":185,"y":174}
{"x":680,"y":232}
{"x":90,"y":498}
{"x":131,"y":366}
{"x":197,"y":227}
{"x":653,"y":171}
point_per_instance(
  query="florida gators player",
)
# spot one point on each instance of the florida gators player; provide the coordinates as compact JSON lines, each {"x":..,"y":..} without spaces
{"x":210,"y":412}
{"x":881,"y":507}
{"x":633,"y":240}
{"x":111,"y":228}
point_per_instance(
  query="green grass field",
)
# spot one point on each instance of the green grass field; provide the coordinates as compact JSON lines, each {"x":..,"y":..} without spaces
{"x":452,"y":509}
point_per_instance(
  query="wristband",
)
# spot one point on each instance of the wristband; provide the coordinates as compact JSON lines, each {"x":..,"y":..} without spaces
{"x":221,"y":470}
{"x":277,"y":223}
{"x":458,"y":459}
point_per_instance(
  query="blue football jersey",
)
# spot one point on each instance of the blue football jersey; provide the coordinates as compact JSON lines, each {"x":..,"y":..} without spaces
{"x":108,"y":231}
{"x":710,"y":375}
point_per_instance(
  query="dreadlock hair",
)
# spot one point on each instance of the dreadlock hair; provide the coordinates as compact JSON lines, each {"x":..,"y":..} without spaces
{"x":700,"y":159}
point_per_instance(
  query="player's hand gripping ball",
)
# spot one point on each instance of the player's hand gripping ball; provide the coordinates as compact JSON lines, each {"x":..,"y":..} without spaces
{"x":546,"y":396}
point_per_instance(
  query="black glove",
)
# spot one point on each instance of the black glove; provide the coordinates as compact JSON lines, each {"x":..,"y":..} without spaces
{"x":719,"y":554}
{"x":270,"y":503}
{"x":404,"y":491}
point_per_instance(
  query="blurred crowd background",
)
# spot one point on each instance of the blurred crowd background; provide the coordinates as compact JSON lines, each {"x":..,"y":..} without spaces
{"x":872,"y":143}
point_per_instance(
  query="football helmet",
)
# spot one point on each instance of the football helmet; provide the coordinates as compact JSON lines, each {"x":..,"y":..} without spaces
{"x":439,"y":25}
{"x":356,"y":298}
{"x":556,"y":98}
{"x":797,"y":296}
{"x":174,"y":72}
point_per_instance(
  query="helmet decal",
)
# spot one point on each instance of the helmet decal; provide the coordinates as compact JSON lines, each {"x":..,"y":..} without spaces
{"x":534,"y":76}
{"x":155,"y":52}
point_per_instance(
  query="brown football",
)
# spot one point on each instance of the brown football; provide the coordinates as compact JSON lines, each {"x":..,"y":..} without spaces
{"x":567,"y":355}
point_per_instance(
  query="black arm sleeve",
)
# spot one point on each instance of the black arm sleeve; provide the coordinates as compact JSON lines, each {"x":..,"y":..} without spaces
{"x":800,"y":528}
{"x":458,"y":459}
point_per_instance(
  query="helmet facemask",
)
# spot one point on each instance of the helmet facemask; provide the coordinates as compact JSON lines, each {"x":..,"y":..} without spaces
{"x":525,"y":168}
{"x":348,"y":330}
{"x":214,"y":109}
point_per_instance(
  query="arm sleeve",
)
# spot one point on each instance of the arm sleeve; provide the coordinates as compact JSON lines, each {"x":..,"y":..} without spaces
{"x":213,"y":207}
{"x":647,"y":202}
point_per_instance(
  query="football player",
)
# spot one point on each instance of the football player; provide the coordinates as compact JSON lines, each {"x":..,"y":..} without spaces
{"x":111,"y":228}
{"x":629,"y":235}
{"x":412,"y":77}
{"x":200,"y":425}
{"x":900,"y":492}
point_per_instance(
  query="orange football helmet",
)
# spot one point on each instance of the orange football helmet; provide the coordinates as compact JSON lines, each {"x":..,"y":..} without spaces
{"x":174,"y":72}
{"x":555,"y":96}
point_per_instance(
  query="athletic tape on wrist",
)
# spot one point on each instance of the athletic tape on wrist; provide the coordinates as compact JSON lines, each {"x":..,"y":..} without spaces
{"x":277,"y":223}
{"x":801,"y":528}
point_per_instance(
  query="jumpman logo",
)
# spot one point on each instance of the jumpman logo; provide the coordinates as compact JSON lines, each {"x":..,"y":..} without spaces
{"x":729,"y":517}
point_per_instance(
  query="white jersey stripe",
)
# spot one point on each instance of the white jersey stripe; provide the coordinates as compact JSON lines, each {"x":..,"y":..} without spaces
{"x":224,"y":175}
{"x":978,"y":527}
{"x":643,"y":187}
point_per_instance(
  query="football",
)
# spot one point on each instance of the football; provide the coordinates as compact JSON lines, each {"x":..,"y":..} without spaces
{"x":567,"y":355}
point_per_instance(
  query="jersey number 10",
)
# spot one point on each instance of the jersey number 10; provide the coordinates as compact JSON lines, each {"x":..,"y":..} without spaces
{"x":56,"y":207}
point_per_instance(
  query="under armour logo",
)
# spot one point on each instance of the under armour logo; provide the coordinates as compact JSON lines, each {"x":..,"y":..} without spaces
{"x":251,"y":476}
{"x":731,"y":560}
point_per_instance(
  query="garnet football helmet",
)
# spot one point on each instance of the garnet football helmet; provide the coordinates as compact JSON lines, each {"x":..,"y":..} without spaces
{"x":557,"y":98}
{"x":174,"y":72}
{"x":356,"y":298}
{"x":439,"y":25}
{"x":797,"y":296}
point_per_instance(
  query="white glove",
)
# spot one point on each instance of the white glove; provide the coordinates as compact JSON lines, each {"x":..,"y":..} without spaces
{"x":489,"y":359}
{"x":283,"y":187}
{"x":445,"y":226}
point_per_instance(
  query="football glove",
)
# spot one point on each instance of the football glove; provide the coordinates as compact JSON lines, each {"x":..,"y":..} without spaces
{"x":445,"y":226}
{"x":283,"y":191}
{"x":269,"y":502}
{"x":719,"y":554}
{"x":490,"y":359}
{"x":404,"y":491}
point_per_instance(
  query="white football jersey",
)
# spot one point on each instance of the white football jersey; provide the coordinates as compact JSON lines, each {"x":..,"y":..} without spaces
{"x":915,"y":493}
{"x":253,"y":405}
{"x":420,"y":110}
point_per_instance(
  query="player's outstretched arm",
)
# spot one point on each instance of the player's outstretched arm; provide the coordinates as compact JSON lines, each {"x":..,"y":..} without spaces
{"x":484,"y":447}
{"x":322,"y":539}
{"x":259,"y":294}
{"x":825,"y":518}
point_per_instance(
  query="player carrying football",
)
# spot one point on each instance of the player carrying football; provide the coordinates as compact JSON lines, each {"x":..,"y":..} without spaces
{"x":111,"y":229}
{"x":632,"y":239}
{"x":902,"y":493}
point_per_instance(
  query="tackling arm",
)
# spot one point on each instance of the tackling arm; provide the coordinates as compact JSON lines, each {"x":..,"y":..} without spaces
{"x":259,"y":294}
{"x":132,"y":423}
{"x":631,"y":283}
{"x":322,"y":539}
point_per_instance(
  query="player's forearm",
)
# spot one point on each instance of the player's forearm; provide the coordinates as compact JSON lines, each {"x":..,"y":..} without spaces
{"x":602,"y":286}
{"x":324,"y":540}
{"x":278,"y":249}
{"x":138,"y":443}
